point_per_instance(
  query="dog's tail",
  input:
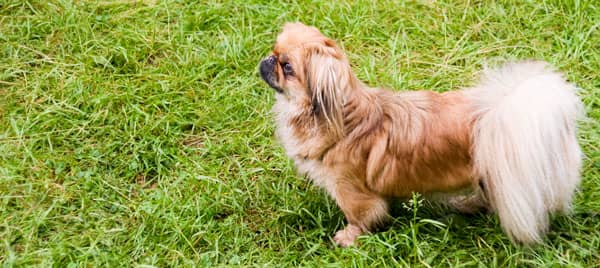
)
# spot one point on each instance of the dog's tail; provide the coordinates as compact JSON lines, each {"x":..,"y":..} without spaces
{"x":525,"y":145}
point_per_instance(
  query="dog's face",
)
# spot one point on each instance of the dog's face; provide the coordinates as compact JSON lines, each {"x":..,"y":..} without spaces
{"x":309,"y":68}
{"x":301,"y":56}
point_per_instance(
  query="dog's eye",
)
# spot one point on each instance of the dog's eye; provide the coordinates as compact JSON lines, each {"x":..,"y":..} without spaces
{"x":287,"y":68}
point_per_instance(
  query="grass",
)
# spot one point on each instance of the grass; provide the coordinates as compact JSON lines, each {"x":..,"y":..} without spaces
{"x":138,"y":133}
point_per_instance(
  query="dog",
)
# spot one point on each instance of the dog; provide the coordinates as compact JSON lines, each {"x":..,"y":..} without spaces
{"x":511,"y":139}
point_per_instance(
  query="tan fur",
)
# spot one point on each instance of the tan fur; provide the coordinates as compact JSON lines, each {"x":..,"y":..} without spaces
{"x":389,"y":145}
{"x":365,"y":145}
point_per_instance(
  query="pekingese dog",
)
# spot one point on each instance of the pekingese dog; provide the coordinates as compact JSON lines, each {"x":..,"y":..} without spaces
{"x":511,"y":138}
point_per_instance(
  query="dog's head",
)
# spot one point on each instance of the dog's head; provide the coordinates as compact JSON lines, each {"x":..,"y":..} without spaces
{"x":310,"y":68}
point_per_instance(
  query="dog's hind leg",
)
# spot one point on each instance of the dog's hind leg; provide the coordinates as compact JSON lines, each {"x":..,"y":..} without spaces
{"x":472,"y":202}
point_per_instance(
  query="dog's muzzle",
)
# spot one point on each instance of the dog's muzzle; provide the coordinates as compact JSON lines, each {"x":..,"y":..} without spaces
{"x":267,"y":72}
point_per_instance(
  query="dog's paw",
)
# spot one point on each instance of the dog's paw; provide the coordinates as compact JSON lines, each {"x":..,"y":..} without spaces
{"x":347,"y":236}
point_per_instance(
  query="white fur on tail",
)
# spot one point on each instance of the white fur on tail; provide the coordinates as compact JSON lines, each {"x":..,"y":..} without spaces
{"x":525,"y":145}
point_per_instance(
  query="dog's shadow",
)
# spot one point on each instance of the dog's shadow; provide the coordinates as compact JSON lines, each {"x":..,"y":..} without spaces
{"x":434,"y":216}
{"x":317,"y":214}
{"x":482,"y":224}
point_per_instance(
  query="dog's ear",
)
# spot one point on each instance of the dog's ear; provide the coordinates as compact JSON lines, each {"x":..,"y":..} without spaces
{"x":328,"y":77}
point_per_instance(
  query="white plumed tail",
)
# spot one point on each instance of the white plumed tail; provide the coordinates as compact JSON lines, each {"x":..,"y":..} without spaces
{"x":525,"y":145}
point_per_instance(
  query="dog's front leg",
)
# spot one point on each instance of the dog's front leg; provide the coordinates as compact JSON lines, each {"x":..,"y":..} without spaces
{"x":363,"y":210}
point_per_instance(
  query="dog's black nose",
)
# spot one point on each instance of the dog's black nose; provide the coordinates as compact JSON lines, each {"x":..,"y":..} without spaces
{"x":267,"y":65}
{"x":267,"y":72}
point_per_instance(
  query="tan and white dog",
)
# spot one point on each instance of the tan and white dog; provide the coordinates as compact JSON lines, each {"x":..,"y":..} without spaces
{"x":512,"y":138}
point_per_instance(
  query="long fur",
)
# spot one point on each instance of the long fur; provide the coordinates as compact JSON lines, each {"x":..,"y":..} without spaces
{"x":327,"y":86}
{"x":512,"y":138}
{"x":525,"y":145}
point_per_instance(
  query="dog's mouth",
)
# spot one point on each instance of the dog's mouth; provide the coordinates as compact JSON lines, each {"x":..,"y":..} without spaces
{"x":267,"y":72}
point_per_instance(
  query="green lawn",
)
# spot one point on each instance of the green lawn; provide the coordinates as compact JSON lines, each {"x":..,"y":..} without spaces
{"x":138,"y":133}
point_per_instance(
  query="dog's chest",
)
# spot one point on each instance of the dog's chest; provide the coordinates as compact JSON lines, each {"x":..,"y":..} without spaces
{"x":285,"y":131}
{"x":296,"y":148}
